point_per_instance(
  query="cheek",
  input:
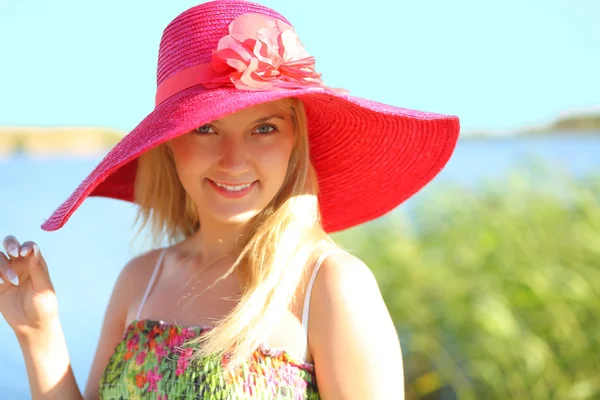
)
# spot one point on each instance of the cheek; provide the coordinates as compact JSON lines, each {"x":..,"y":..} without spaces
{"x":275,"y":159}
{"x":188,"y":151}
{"x":190,"y":157}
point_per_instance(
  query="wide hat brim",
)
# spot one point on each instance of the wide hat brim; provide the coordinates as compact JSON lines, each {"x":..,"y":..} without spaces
{"x":369,"y":157}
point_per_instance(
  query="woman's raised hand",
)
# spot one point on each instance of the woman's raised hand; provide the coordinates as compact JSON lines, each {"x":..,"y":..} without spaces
{"x":27,"y":298}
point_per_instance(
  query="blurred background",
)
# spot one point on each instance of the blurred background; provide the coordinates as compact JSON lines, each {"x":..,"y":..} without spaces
{"x":491,"y":273}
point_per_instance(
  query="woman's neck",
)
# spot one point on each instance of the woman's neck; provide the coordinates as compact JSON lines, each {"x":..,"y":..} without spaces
{"x":216,"y":240}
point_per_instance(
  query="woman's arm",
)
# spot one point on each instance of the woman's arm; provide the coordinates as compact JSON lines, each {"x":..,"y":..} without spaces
{"x":352,"y":338}
{"x":30,"y":307}
{"x":48,"y":364}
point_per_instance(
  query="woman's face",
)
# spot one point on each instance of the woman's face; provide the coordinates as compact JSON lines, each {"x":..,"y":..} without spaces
{"x":233,"y":167}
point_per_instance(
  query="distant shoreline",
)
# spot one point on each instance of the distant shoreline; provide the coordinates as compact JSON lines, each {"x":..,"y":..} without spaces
{"x":574,"y":124}
{"x":528,"y":135}
{"x":93,"y":142}
{"x":67,"y":141}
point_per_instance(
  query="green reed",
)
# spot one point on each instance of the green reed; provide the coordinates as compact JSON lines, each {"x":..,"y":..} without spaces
{"x":494,"y":289}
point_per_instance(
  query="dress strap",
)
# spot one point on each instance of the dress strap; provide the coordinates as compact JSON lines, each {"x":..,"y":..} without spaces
{"x":311,"y":283}
{"x":151,"y":283}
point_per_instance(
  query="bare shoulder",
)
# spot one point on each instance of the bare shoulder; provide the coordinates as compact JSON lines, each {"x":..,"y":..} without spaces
{"x":140,"y":267}
{"x":345,"y":285}
{"x":344,"y":274}
{"x":134,"y":278}
{"x":352,"y":338}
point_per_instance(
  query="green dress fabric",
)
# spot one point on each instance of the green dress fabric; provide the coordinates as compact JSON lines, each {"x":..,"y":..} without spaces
{"x":152,"y":361}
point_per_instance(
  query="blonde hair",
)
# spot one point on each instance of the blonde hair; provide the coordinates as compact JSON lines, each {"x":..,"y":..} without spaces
{"x":281,"y":244}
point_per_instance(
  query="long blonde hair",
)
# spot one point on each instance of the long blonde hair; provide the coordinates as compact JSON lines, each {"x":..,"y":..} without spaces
{"x":281,"y":244}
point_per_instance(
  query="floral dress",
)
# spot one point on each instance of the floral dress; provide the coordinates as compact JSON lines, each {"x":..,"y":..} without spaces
{"x":153,"y":362}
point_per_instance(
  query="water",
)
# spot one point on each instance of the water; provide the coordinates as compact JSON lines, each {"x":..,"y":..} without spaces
{"x":86,"y":255}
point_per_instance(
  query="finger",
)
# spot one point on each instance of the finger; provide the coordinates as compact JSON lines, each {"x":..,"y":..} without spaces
{"x":30,"y":248}
{"x":3,"y":260}
{"x":6,"y":271}
{"x":11,"y":246}
{"x":26,"y":248}
{"x":38,"y":270}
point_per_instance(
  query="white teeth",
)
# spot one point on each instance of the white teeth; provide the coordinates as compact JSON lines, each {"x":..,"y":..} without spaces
{"x":233,"y":188}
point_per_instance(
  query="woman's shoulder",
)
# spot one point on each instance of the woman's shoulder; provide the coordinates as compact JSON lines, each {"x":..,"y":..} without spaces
{"x":135,"y":275}
{"x":346,"y":290}
{"x":140,"y":266}
{"x":342,"y":273}
{"x":133,"y":280}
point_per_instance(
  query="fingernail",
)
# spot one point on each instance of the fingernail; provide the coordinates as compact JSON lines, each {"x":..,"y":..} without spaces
{"x":1,"y":281}
{"x":13,"y":250}
{"x":12,"y":276}
{"x":24,"y":251}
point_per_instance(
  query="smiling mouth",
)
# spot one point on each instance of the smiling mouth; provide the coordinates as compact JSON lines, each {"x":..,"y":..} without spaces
{"x":232,"y":190}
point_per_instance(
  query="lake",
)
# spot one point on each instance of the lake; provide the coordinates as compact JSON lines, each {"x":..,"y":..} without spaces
{"x":86,"y":255}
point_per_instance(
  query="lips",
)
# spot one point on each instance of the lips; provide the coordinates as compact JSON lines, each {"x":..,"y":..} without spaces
{"x":232,"y":190}
{"x":232,"y":187}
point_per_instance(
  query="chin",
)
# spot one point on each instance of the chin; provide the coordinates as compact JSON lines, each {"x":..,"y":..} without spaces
{"x":236,"y":218}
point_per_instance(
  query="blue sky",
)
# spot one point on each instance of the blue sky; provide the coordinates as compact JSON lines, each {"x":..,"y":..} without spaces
{"x":497,"y":65}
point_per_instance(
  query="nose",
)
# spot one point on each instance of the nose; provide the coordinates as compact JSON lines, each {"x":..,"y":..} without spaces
{"x":234,"y":156}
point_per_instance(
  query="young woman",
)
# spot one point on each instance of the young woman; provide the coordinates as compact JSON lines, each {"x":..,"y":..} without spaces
{"x":246,"y":164}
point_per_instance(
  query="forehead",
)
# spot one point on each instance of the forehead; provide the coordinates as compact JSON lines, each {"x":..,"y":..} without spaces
{"x":279,"y":108}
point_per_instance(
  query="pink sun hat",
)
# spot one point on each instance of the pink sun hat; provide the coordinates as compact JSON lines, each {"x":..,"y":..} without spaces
{"x":226,"y":55}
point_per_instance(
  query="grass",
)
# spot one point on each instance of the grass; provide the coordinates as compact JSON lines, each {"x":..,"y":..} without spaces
{"x":495,"y":290}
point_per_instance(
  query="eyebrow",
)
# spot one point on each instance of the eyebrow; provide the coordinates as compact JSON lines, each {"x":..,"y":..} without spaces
{"x":263,"y":119}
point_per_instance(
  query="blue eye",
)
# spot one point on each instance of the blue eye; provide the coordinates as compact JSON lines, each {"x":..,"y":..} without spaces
{"x":265,"y":129}
{"x":203,"y":129}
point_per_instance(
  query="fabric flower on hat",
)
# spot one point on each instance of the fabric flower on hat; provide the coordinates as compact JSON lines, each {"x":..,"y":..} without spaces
{"x":263,"y":53}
